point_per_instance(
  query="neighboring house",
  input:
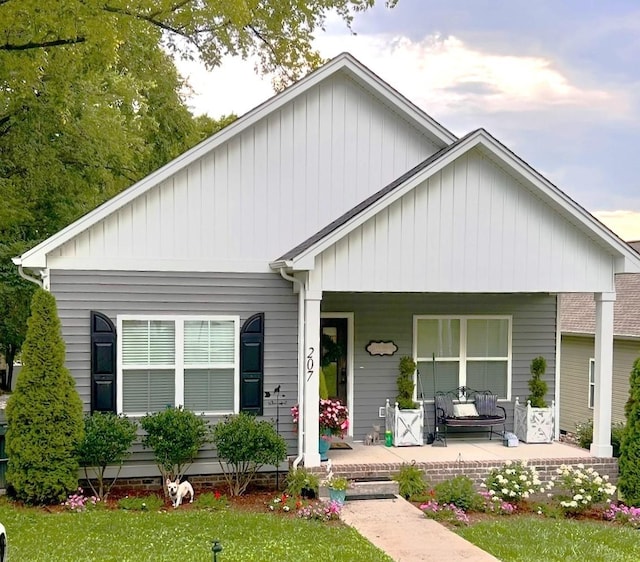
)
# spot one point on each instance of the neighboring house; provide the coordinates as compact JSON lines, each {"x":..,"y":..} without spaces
{"x":577,"y":364}
{"x":336,"y":208}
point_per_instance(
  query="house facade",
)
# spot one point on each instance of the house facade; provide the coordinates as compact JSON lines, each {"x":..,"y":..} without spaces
{"x":336,"y":209}
{"x":577,"y":366}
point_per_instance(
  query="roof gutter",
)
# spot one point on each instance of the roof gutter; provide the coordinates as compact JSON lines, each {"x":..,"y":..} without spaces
{"x":301,"y":378}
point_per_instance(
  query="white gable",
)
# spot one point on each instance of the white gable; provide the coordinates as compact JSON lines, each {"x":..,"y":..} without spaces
{"x":471,"y":227}
{"x":258,"y":194}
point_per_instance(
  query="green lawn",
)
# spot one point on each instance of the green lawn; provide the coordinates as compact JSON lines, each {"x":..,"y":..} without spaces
{"x":118,"y":535}
{"x":537,"y":539}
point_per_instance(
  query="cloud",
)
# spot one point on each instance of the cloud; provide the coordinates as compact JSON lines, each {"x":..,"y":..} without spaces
{"x":625,"y":224}
{"x":446,"y":74}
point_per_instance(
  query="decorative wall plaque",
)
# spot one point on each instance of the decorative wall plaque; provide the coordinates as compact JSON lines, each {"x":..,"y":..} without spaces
{"x":381,"y":348}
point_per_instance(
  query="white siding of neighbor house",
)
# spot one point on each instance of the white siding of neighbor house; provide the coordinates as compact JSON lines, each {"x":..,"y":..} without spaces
{"x":470,"y":228}
{"x":262,"y":192}
{"x":115,"y":292}
{"x":574,"y":378}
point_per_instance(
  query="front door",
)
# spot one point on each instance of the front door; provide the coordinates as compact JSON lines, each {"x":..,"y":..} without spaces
{"x":333,"y":334}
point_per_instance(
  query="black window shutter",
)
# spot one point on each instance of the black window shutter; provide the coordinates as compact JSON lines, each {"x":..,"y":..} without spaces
{"x":252,"y":364}
{"x":103,"y":363}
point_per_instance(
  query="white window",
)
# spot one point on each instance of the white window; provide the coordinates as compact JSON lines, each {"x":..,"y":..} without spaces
{"x":473,"y":351}
{"x":592,"y":382}
{"x":184,"y":360}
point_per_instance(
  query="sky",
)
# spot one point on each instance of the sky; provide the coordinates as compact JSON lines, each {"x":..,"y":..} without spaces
{"x":557,"y":82}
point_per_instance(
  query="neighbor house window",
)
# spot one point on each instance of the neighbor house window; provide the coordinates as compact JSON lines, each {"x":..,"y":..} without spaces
{"x":592,"y":382}
{"x":188,"y":361}
{"x":472,"y":351}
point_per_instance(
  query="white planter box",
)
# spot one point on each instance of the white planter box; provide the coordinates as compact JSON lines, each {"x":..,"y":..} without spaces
{"x":534,"y":425}
{"x":407,"y":426}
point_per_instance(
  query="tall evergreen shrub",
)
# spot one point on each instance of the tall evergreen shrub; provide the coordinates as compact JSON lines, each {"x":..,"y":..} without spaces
{"x":629,"y":462}
{"x":44,"y":414}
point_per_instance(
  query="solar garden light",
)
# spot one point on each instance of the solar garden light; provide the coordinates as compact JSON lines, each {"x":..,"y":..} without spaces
{"x":217,"y":547}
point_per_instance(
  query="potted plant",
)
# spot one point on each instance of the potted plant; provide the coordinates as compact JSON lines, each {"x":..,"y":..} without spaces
{"x":406,"y":419}
{"x":333,"y":420}
{"x":337,"y":486}
{"x":534,"y":421}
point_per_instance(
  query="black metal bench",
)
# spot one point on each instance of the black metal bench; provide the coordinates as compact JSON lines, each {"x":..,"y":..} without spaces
{"x":466,"y":407}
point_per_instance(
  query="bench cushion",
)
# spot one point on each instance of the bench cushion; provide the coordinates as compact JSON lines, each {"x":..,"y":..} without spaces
{"x":486,"y":404}
{"x":465,"y":410}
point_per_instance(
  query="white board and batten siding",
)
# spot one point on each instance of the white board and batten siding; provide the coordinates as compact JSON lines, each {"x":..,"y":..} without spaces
{"x":260,"y":193}
{"x":157,"y":293}
{"x":470,"y":227}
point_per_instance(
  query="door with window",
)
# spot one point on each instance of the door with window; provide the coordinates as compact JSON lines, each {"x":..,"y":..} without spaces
{"x":333,"y":359}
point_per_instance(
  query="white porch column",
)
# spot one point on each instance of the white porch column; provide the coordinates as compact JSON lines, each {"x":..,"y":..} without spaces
{"x":601,"y":446}
{"x":311,"y":379}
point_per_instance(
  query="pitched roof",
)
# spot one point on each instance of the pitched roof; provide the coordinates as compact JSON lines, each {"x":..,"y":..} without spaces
{"x":346,"y":63}
{"x":300,"y":256}
{"x":578,"y":310}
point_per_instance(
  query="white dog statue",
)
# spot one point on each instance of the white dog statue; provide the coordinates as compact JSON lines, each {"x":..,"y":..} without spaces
{"x":179,"y":490}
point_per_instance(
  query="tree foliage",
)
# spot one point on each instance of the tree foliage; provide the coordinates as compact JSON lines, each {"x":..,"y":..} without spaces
{"x":175,"y":435}
{"x":629,"y":461}
{"x":244,"y":445}
{"x":44,"y":414}
{"x":107,"y":441}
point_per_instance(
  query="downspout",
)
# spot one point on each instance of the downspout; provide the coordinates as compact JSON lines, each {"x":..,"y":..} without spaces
{"x":301,"y":380}
{"x":557,"y":394}
{"x":28,"y":277}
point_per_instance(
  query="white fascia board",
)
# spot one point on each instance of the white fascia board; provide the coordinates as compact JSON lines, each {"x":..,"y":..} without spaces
{"x":626,"y":260}
{"x":37,"y":256}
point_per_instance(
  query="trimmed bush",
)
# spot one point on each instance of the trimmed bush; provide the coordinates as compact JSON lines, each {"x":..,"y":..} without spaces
{"x":244,"y":445}
{"x":175,"y":435}
{"x":458,"y":491}
{"x":44,"y":414}
{"x":107,"y":441}
{"x":537,"y":386}
{"x":629,"y":463}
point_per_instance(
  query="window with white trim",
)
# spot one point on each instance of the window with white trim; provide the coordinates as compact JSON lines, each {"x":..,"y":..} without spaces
{"x":183,"y":360}
{"x":592,"y":382}
{"x":473,"y":351}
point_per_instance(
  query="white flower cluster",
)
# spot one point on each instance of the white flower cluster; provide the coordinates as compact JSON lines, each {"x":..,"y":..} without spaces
{"x":515,"y":481}
{"x":580,"y":488}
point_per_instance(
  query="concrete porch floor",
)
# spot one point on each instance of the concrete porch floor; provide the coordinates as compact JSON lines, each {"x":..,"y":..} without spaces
{"x":457,"y":450}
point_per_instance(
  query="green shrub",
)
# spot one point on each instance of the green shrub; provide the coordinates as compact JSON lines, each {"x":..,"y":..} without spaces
{"x":411,"y":481}
{"x":537,"y":387}
{"x":244,"y":445}
{"x":107,"y":441}
{"x":175,"y":435}
{"x":629,"y":463}
{"x":44,"y":414}
{"x":151,"y":502}
{"x":407,"y":368}
{"x":301,"y":482}
{"x":211,"y":501}
{"x":584,"y":435}
{"x":513,"y":482}
{"x":460,"y":492}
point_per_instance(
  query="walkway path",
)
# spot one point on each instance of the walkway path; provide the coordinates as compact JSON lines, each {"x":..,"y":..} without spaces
{"x":406,"y":535}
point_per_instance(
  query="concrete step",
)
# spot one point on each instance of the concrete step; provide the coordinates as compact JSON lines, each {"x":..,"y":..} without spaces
{"x":367,"y":490}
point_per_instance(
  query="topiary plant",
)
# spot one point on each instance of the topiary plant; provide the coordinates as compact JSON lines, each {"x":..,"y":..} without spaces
{"x":175,"y":435}
{"x":244,"y":445}
{"x":405,"y":383}
{"x":537,"y":387}
{"x":629,"y":462}
{"x":107,"y":441}
{"x":44,"y":414}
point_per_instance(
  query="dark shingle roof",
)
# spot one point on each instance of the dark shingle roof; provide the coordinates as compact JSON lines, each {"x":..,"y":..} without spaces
{"x":578,"y":310}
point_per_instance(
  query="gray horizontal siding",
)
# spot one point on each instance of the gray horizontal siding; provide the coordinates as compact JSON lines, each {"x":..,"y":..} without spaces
{"x":574,"y":379}
{"x":116,"y":293}
{"x":390,"y":317}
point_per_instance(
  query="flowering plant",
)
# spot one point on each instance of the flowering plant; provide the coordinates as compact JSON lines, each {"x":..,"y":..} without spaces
{"x":515,"y":481}
{"x":333,"y":418}
{"x":579,"y":489}
{"x":446,"y":512}
{"x":626,"y":515}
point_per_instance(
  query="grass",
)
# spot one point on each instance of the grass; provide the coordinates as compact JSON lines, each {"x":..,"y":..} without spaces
{"x":119,"y":535}
{"x":530,"y":538}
